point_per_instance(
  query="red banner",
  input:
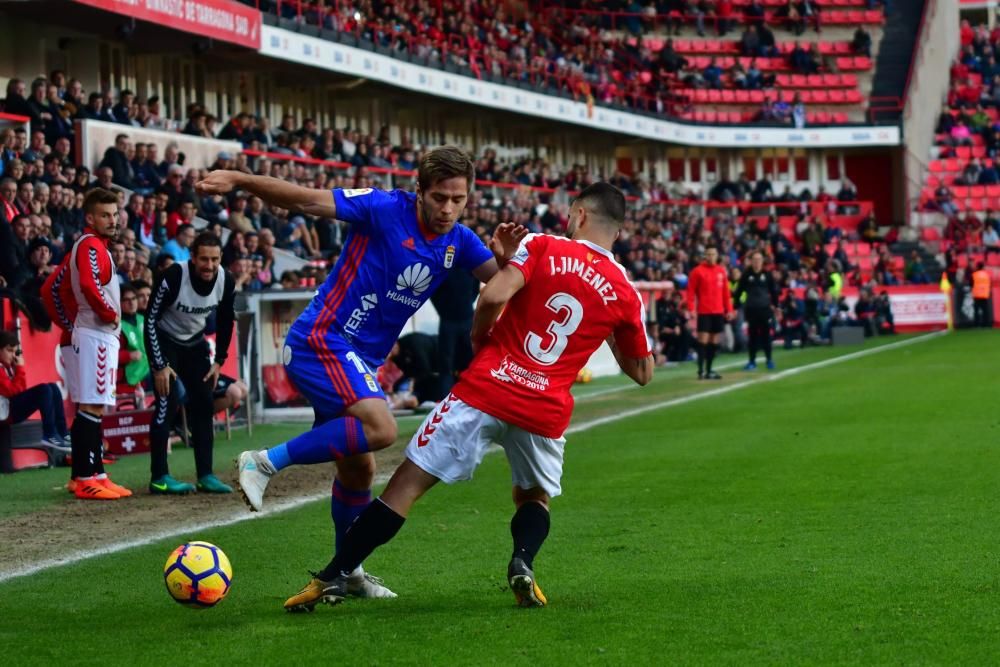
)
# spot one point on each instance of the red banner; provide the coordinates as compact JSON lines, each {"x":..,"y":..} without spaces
{"x":219,"y":19}
{"x":914,"y":307}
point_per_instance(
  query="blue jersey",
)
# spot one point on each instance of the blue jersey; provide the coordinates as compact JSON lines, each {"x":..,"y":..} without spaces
{"x":387,"y":270}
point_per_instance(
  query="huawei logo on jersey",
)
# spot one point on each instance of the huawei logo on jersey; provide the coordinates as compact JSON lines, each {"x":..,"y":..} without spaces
{"x":416,"y":277}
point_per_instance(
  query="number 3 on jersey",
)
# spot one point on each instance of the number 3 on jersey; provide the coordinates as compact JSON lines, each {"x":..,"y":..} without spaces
{"x":569,"y":314}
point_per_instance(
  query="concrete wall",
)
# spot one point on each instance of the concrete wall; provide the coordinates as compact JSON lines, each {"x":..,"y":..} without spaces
{"x":937,"y":47}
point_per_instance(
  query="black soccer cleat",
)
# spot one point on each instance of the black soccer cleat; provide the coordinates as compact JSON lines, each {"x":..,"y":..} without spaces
{"x":712,"y":375}
{"x":522,"y":583}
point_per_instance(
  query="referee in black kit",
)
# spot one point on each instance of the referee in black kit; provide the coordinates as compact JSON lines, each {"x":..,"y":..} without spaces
{"x":761,"y":292}
{"x":184,"y":297}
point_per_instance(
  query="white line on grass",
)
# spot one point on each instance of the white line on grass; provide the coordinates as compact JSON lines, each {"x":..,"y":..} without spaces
{"x":278,"y":507}
{"x":631,"y":385}
{"x":681,"y":400}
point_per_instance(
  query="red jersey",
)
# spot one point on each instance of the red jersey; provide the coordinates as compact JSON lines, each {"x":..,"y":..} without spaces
{"x":575,"y":296}
{"x":57,"y":297}
{"x":708,"y":291}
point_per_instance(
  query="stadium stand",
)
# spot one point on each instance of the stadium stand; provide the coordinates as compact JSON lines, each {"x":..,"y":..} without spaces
{"x":962,"y":182}
{"x":801,"y":228}
{"x":620,"y":57}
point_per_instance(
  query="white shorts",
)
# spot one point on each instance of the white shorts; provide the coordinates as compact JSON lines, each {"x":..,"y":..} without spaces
{"x":68,"y":370}
{"x":96,"y":367}
{"x":454,"y":438}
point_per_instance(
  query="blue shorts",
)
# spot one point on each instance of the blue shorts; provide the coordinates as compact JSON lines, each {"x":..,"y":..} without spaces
{"x":329,"y":373}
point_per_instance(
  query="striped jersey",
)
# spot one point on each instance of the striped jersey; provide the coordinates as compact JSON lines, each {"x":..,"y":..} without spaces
{"x":386,"y":272}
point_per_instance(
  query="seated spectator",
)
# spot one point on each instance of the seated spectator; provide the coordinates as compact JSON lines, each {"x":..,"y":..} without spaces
{"x":184,"y":215}
{"x":864,"y":312}
{"x":884,"y":321}
{"x":991,"y":240}
{"x":793,"y":326}
{"x":943,"y":201}
{"x":915,"y":272}
{"x":39,"y":266}
{"x":178,"y":248}
{"x":970,"y":174}
{"x":884,"y":268}
{"x":979,"y":120}
{"x":22,"y":402}
{"x":241,"y":267}
{"x":712,"y":74}
{"x":229,"y":393}
{"x":989,"y":175}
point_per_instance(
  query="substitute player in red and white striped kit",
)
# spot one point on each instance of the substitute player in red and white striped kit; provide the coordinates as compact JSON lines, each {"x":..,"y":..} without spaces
{"x":563,"y":298}
{"x":83,"y":299}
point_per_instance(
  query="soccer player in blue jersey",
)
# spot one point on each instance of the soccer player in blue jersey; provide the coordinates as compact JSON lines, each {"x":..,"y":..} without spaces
{"x":399,"y":249}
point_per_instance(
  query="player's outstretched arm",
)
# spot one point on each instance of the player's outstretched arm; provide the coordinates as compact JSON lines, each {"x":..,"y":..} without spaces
{"x":494,"y":297}
{"x":274,"y":191}
{"x":640,"y":370}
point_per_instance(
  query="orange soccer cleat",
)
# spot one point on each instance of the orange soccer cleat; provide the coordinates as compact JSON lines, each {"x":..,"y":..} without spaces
{"x":111,"y":486}
{"x":92,"y":489}
{"x":71,"y":485}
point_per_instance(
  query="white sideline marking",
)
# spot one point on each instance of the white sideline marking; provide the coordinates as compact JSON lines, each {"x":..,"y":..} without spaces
{"x":631,"y":385}
{"x":681,"y":400}
{"x":276,"y":508}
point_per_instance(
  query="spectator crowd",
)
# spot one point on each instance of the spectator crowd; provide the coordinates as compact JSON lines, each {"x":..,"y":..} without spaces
{"x":596,"y":51}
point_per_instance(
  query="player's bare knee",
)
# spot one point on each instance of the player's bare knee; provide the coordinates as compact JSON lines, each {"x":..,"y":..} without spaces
{"x":380,"y":432}
{"x":535,"y":495}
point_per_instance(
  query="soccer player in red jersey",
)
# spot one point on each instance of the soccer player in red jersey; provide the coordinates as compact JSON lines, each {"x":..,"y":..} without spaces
{"x":563,"y":298}
{"x":708,"y":297}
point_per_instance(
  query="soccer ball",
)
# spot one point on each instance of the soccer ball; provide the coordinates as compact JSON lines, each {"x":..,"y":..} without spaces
{"x":198,"y":575}
{"x":584,"y":376}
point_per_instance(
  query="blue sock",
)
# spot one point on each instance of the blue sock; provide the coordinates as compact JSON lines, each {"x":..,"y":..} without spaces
{"x":332,"y":441}
{"x":345,"y":506}
{"x":278,"y":456}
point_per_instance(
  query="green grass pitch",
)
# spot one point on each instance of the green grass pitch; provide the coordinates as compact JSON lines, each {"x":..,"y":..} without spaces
{"x":843,"y":515}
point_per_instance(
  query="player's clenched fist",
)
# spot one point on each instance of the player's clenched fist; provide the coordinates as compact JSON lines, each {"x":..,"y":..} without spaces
{"x":218,"y":182}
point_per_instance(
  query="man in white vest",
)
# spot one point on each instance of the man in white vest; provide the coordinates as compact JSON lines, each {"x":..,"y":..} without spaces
{"x":183,"y":299}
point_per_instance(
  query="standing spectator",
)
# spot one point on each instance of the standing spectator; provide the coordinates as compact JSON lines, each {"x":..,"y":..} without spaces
{"x":39,"y":109}
{"x":116,"y":159}
{"x":862,"y":42}
{"x":16,"y":102}
{"x":132,"y":357}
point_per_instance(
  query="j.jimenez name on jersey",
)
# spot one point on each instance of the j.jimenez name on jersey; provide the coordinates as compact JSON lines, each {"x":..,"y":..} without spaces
{"x":573,"y":266}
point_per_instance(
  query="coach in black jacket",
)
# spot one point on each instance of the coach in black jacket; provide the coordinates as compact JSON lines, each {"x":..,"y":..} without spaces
{"x":761,"y":299}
